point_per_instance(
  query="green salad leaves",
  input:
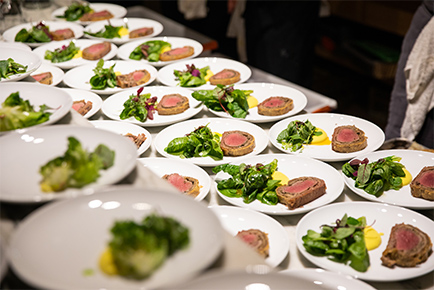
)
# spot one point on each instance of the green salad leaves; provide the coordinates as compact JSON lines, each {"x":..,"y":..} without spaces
{"x":37,"y":34}
{"x":376,"y":177}
{"x":250,"y":182}
{"x":225,"y":98}
{"x":149,"y":50}
{"x":104,"y":77}
{"x":342,"y":243}
{"x":296,"y":134}
{"x":76,"y":168}
{"x":109,"y":31}
{"x":141,"y":107}
{"x":62,"y":54}
{"x":75,"y":11}
{"x":17,"y":113}
{"x":9,"y":68}
{"x":191,"y":77}
{"x":202,"y":142}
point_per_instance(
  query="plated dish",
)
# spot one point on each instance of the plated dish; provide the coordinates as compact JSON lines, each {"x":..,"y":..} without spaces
{"x":162,"y":166}
{"x":123,"y":129}
{"x":328,"y":122}
{"x":176,"y":42}
{"x":382,"y":217}
{"x":66,"y":220}
{"x":86,"y":96}
{"x":118,"y":11}
{"x":55,"y":75}
{"x":17,"y":45}
{"x":291,"y":167}
{"x":22,"y":57}
{"x":113,"y":106}
{"x":46,"y":143}
{"x":79,"y":77}
{"x":216,"y":64}
{"x":132,"y":23}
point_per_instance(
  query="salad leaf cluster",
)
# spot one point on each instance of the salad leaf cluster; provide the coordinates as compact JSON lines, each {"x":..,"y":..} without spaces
{"x":225,"y":98}
{"x":191,"y":77}
{"x":250,"y":182}
{"x":296,"y":134}
{"x":376,"y":177}
{"x":149,"y":50}
{"x":342,"y":243}
{"x":9,"y":67}
{"x":75,"y":11}
{"x":138,"y":249}
{"x":108,"y":31}
{"x":104,"y":77}
{"x":76,"y":168}
{"x":139,"y":106}
{"x":38,"y":33}
{"x":62,"y":54}
{"x":202,"y":142}
{"x":17,"y":113}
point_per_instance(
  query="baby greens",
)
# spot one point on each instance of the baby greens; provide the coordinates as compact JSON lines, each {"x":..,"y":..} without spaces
{"x":250,"y":182}
{"x":375,"y":177}
{"x":75,"y":11}
{"x":342,"y":243}
{"x":296,"y":134}
{"x":225,"y":98}
{"x":149,"y":50}
{"x":104,"y":77}
{"x":191,"y":77}
{"x":62,"y":54}
{"x":38,"y":33}
{"x":139,"y":106}
{"x":202,"y":142}
{"x":9,"y":67}
{"x":108,"y":31}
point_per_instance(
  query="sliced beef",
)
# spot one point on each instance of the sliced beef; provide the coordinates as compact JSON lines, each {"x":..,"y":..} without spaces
{"x":96,"y":16}
{"x":97,"y":51}
{"x":82,"y":106}
{"x":422,"y":186}
{"x":185,"y":184}
{"x":45,"y":78}
{"x":237,"y":143}
{"x":62,"y":34}
{"x":172,"y":104}
{"x":408,"y":246}
{"x":348,"y":138}
{"x":257,"y":239}
{"x":140,"y":32}
{"x":135,"y":78}
{"x":177,"y":53}
{"x":300,"y":191}
{"x":137,"y":139}
{"x":275,"y":106}
{"x":225,"y":77}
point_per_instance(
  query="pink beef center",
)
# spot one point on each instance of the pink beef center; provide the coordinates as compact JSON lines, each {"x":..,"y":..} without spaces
{"x":97,"y":48}
{"x":406,"y":240}
{"x":101,"y":13}
{"x":78,"y":106}
{"x":62,"y":31}
{"x":179,"y":182}
{"x":179,"y":50}
{"x":141,"y":30}
{"x":274,"y":103}
{"x":249,"y":239}
{"x":171,"y":101}
{"x":235,"y":139}
{"x":39,"y":76}
{"x":347,"y":135}
{"x":138,"y":75}
{"x":224,"y":75}
{"x":299,"y":186}
{"x":427,"y":179}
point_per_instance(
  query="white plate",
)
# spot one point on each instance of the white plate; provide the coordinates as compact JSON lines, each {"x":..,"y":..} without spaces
{"x":126,"y":49}
{"x":66,"y":257}
{"x":39,"y":95}
{"x":113,"y":106}
{"x":15,"y":45}
{"x":161,"y":166}
{"x":383,"y":217}
{"x":133,"y":23}
{"x":81,"y":43}
{"x":57,"y":73}
{"x":79,"y":77}
{"x":78,"y":95}
{"x":328,"y":122}
{"x":9,"y":35}
{"x":292,"y":167}
{"x":216,"y":64}
{"x":117,"y":11}
{"x":235,"y":219}
{"x":413,"y":161}
{"x":32,"y":60}
{"x":262,"y":91}
{"x":217,"y":125}
{"x":35,"y":147}
{"x":125,"y":128}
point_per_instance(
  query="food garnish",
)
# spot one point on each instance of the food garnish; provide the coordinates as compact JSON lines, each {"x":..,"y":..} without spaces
{"x":62,"y":54}
{"x":296,"y":134}
{"x":192,"y":76}
{"x":9,"y":67}
{"x":150,"y":50}
{"x":139,"y":106}
{"x":104,"y":77}
{"x":38,"y":33}
{"x":75,"y":11}
{"x":109,"y":31}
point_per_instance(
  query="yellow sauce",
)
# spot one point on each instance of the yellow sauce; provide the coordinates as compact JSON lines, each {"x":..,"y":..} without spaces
{"x":252,"y":101}
{"x":123,"y":31}
{"x":277,"y":175}
{"x":220,"y":135}
{"x":372,"y":238}
{"x":118,"y":73}
{"x":106,"y":263}
{"x":167,"y":48}
{"x":79,"y":54}
{"x":209,"y":74}
{"x":407,"y":178}
{"x":322,"y":139}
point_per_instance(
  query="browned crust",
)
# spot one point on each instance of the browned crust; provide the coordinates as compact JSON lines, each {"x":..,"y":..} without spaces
{"x":421,"y":191}
{"x":296,"y":200}
{"x":178,"y":109}
{"x":58,"y":37}
{"x":168,"y":56}
{"x":347,"y":147}
{"x":137,"y":139}
{"x":86,"y":108}
{"x":138,"y":32}
{"x":47,"y":79}
{"x":243,"y":149}
{"x":276,"y":111}
{"x":264,"y":245}
{"x":89,"y":56}
{"x":127,"y":80}
{"x":195,"y":188}
{"x":227,"y":81}
{"x":91,"y":17}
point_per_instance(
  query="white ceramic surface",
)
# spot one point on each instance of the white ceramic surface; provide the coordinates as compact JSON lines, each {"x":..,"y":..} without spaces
{"x":382,"y":217}
{"x":23,"y":57}
{"x":3,"y":260}
{"x":78,"y":95}
{"x":292,"y":167}
{"x":217,"y":125}
{"x":327,"y":122}
{"x":56,"y":72}
{"x":118,"y":11}
{"x":15,"y":45}
{"x":66,"y":257}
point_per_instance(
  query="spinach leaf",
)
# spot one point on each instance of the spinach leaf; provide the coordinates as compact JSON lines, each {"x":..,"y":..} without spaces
{"x":191,"y":77}
{"x":75,"y":11}
{"x":63,"y":53}
{"x":296,"y":134}
{"x":108,"y":31}
{"x":9,"y":67}
{"x":149,"y":50}
{"x":104,"y":77}
{"x":141,"y":107}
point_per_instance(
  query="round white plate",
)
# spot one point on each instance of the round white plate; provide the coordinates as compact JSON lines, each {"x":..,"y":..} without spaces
{"x":235,"y":219}
{"x":328,"y":122}
{"x":79,"y":77}
{"x":161,"y":166}
{"x":57,"y":73}
{"x":413,"y":161}
{"x":39,"y":95}
{"x":126,"y":49}
{"x":81,"y":43}
{"x":78,"y":95}
{"x":217,"y":125}
{"x":24,"y":152}
{"x":125,"y":128}
{"x":292,"y":167}
{"x":15,"y":45}
{"x":262,"y":91}
{"x":382,"y":217}
{"x":66,"y":257}
{"x":9,"y":35}
{"x":24,"y":57}
{"x":133,"y":23}
{"x":117,"y":11}
{"x":216,"y":64}
{"x":113,"y":106}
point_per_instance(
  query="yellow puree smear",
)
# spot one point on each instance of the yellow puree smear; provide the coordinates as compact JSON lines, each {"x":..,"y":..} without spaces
{"x":322,"y":139}
{"x":372,"y":238}
{"x":79,"y":54}
{"x":252,"y":101}
{"x":209,"y":74}
{"x":123,"y":31}
{"x":106,"y":263}
{"x":407,"y":178}
{"x":277,"y":175}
